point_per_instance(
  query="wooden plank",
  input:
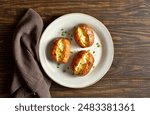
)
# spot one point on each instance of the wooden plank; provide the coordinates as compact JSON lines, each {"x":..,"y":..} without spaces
{"x":129,"y":24}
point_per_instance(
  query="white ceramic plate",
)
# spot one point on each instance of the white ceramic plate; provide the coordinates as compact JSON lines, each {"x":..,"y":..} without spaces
{"x":103,"y":54}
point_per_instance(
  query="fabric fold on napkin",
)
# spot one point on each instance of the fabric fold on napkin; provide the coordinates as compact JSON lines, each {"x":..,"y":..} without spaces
{"x":29,"y":79}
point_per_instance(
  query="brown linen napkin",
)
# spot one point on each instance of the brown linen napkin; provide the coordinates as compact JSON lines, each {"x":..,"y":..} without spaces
{"x":29,"y":80}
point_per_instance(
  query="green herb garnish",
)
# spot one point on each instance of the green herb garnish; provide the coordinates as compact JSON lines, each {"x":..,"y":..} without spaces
{"x":58,"y":64}
{"x":64,"y":70}
{"x":63,"y":34}
{"x":98,"y":45}
{"x":67,"y":67}
{"x":93,"y":52}
{"x":68,"y":34}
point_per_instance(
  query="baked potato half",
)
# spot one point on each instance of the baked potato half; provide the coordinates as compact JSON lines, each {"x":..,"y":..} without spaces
{"x":60,"y":51}
{"x":82,"y":63}
{"x":84,"y":35}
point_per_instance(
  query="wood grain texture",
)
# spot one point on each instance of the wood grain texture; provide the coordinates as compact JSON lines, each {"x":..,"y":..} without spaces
{"x":129,"y":24}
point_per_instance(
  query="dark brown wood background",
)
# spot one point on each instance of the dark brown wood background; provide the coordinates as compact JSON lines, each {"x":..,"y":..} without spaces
{"x":129,"y":24}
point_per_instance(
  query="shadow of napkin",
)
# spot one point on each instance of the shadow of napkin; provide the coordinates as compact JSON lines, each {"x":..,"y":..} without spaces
{"x":29,"y":79}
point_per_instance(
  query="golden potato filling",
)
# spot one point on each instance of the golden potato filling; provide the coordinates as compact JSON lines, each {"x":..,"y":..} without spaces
{"x":82,"y":36}
{"x":81,"y":65}
{"x":60,"y":51}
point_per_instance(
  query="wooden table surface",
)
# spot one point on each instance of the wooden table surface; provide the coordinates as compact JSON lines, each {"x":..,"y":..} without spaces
{"x":129,"y":24}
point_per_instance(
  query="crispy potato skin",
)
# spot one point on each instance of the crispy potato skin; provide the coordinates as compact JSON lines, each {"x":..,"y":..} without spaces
{"x":60,"y":51}
{"x":84,"y":35}
{"x":86,"y":65}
